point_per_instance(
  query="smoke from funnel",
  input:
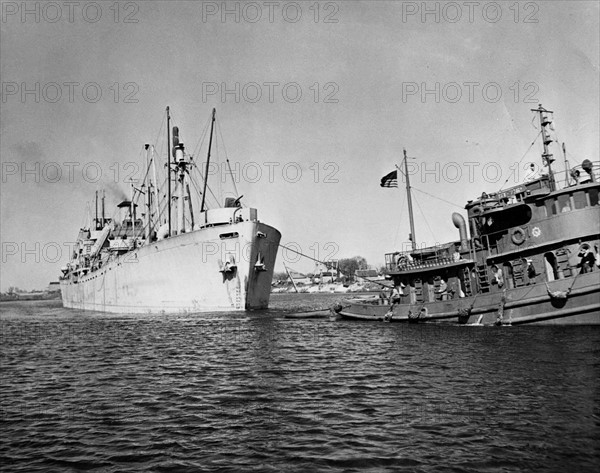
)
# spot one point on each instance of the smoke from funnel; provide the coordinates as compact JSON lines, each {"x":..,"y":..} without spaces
{"x":115,"y":191}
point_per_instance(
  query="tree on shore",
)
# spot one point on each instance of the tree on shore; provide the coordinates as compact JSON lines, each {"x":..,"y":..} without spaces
{"x":348,"y":266}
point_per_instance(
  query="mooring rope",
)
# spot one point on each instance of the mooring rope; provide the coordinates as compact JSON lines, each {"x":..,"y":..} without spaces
{"x":326,"y":264}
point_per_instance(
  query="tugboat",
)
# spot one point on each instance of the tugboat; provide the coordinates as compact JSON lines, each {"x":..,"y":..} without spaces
{"x":530,"y":256}
{"x":171,"y":258}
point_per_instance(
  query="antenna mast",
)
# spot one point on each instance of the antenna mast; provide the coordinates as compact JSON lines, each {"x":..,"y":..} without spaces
{"x":567,"y":166}
{"x":547,"y":158}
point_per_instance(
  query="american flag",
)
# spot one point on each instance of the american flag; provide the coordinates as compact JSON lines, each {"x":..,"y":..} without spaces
{"x":390,"y":180}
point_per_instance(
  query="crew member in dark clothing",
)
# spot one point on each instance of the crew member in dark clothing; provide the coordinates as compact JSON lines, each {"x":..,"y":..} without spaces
{"x":587,"y":261}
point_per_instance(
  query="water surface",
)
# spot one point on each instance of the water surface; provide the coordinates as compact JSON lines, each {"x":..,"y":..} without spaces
{"x":258,"y":392}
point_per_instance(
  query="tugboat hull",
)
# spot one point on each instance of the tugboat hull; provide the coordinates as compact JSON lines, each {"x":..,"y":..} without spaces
{"x":524,"y":305}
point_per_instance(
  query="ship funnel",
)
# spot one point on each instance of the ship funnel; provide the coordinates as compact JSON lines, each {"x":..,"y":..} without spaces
{"x":459,"y":222}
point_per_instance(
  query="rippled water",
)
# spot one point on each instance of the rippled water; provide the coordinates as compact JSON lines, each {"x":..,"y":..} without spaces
{"x":257,"y":392}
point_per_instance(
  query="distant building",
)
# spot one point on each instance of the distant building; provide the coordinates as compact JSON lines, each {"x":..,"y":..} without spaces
{"x":368,"y":274}
{"x":54,"y":286}
{"x":300,"y":278}
{"x":325,"y":277}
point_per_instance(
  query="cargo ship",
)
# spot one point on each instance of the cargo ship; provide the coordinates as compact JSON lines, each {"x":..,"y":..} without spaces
{"x":529,"y":255}
{"x":159,"y":254}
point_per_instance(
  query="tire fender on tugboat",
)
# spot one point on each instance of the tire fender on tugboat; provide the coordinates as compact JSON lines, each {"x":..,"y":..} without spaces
{"x":416,"y":315}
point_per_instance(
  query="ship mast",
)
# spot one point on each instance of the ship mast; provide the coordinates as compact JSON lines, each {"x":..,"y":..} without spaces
{"x":96,"y":219}
{"x":547,"y":157}
{"x":409,"y":201}
{"x":132,"y":211}
{"x":169,"y":171}
{"x":191,"y":208}
{"x":156,"y":190}
{"x":212,"y":125}
{"x":149,"y":195}
{"x":182,"y":169}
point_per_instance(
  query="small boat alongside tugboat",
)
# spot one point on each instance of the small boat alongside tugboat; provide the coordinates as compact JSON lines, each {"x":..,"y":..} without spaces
{"x":529,"y":255}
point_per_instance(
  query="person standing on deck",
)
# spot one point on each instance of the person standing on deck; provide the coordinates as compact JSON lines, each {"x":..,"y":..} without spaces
{"x":443,"y":290}
{"x":530,"y":272}
{"x":575,"y":175}
{"x":588,"y":259}
{"x":383,"y":297}
{"x":498,"y":276}
{"x":395,"y":297}
{"x":532,"y":173}
{"x":456,"y":255}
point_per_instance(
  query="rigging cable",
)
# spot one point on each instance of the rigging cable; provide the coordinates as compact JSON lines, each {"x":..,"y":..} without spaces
{"x":325,"y":264}
{"x":237,"y":194}
{"x":197,"y":150}
{"x":197,"y":191}
{"x":162,"y":127}
{"x":525,"y":154}
{"x":217,"y":163}
{"x":158,"y":136}
{"x":400,"y":219}
{"x":426,"y":222}
{"x":202,"y":137}
{"x":436,"y":197}
{"x":208,"y":187}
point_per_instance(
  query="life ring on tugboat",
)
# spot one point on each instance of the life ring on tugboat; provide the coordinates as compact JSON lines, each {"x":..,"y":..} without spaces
{"x":402,"y":260}
{"x":518,"y":236}
{"x":477,"y":211}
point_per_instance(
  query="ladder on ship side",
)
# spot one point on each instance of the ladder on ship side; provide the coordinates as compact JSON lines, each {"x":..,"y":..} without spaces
{"x":467,"y":282}
{"x":482,"y":277}
{"x":519,"y":269}
{"x":419,"y":290}
{"x":562,"y":262}
{"x":238,"y":297}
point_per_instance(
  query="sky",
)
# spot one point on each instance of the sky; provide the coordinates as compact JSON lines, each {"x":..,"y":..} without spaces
{"x":315,"y":103}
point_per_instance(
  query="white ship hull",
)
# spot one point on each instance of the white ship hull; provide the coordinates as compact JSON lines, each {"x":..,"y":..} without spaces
{"x":184,"y":274}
